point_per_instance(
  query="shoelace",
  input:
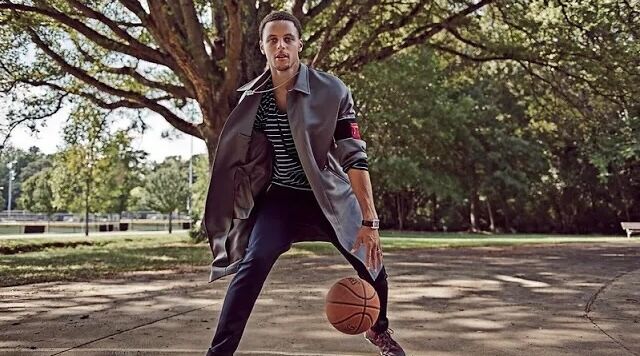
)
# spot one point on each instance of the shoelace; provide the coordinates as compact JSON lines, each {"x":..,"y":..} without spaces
{"x":386,"y":340}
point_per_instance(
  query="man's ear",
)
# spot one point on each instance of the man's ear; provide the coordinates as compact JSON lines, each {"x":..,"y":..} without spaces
{"x":300,"y":48}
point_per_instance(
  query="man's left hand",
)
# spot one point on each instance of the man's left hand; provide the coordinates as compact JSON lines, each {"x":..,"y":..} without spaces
{"x":371,"y":240}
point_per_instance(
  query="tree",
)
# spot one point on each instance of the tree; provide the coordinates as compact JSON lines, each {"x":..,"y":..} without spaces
{"x":166,"y":189}
{"x":121,"y":169}
{"x":167,"y":57}
{"x":97,"y":168}
{"x":37,"y":194}
{"x":26,"y":164}
{"x":200,"y":185}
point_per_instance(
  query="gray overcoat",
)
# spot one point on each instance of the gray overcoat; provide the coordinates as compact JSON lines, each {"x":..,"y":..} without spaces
{"x":242,"y":166}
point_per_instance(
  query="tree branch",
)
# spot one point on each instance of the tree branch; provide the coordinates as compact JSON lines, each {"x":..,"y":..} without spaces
{"x":134,"y":97}
{"x":139,"y":51}
{"x":328,"y":41}
{"x":419,"y":35}
{"x":233,"y":41}
{"x":16,"y":123}
{"x":196,"y":64}
{"x":177,"y":91}
{"x":296,"y":9}
{"x":195,"y":36}
{"x":314,"y":11}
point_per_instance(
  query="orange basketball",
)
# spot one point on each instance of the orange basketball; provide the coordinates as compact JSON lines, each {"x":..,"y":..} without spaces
{"x":352,"y":305}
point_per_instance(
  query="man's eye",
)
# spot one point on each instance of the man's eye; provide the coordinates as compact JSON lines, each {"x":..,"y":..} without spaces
{"x":288,"y":39}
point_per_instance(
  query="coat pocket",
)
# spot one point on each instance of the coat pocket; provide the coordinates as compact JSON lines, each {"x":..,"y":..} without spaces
{"x":242,"y":196}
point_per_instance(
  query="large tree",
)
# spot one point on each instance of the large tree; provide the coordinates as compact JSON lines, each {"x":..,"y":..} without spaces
{"x":169,"y":57}
{"x":183,"y":59}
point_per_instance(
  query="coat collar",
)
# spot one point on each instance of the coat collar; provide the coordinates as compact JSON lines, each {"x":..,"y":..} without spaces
{"x":301,"y":85}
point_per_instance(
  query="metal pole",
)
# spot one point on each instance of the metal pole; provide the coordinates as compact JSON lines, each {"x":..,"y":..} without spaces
{"x":10,"y":188}
{"x":86,"y":210}
{"x":11,"y":176}
{"x":190,"y":174}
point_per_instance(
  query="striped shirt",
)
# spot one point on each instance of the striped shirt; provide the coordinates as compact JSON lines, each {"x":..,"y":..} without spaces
{"x":287,"y":169}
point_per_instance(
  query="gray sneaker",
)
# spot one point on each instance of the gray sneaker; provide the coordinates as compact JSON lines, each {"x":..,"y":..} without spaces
{"x":384,"y":342}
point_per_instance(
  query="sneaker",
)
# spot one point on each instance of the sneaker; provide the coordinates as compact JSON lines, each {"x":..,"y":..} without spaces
{"x":384,"y":341}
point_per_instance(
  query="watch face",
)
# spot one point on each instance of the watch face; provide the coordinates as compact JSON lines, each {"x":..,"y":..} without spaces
{"x":374,"y":224}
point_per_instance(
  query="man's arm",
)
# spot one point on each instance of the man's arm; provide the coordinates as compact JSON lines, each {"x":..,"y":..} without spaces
{"x":361,"y":185}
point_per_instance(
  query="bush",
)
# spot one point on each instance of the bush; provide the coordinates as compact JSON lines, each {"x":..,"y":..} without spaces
{"x":196,"y":233}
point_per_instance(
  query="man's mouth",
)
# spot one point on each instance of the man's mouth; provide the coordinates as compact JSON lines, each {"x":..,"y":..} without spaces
{"x":281,"y":56}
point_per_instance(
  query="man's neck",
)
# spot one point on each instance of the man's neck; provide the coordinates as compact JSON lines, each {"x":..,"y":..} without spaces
{"x":278,"y":77}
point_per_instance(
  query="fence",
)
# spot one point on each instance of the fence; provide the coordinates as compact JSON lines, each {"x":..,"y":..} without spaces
{"x":21,"y":222}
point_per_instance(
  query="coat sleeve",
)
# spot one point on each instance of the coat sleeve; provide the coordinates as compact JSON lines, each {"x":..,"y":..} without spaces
{"x":350,"y":148}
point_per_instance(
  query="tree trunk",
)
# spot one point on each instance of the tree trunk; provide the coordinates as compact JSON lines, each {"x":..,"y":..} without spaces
{"x":558,"y":207}
{"x":492,"y":226}
{"x":623,"y":197}
{"x":474,"y":201}
{"x":170,"y":214}
{"x":434,"y":213}
{"x":86,"y":209}
{"x":473,"y":227}
{"x":505,"y":215}
{"x":399,"y":211}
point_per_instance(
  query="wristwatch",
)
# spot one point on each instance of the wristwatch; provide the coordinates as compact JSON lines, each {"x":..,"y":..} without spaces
{"x":374,"y":224}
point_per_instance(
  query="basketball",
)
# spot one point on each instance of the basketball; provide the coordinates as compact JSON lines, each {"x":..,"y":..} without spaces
{"x":352,"y":305}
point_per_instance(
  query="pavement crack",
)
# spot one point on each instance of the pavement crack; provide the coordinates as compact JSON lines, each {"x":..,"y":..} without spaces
{"x":133,"y":328}
{"x":592,"y":300}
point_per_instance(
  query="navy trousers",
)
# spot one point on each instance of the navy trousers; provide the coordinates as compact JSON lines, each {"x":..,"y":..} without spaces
{"x":285,"y":215}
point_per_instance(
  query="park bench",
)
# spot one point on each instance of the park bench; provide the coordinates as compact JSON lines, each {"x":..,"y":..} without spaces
{"x":630,"y":227}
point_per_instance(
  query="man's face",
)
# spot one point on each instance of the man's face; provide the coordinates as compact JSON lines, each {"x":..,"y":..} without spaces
{"x":280,"y":44}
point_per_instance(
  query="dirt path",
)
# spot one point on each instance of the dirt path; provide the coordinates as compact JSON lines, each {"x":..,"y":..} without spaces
{"x":551,"y":300}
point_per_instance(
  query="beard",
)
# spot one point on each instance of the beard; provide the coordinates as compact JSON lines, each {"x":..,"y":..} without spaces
{"x":283,"y":65}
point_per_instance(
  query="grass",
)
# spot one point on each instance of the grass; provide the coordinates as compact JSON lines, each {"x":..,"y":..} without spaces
{"x":43,"y":259}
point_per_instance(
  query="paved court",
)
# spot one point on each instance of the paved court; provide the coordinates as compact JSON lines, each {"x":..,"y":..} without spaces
{"x":577,"y":299}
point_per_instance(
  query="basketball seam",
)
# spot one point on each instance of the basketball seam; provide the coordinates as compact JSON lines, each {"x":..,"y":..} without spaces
{"x":364,"y":307}
{"x":370,"y":318}
{"x":352,"y":292}
{"x":354,"y":304}
{"x":349,"y":317}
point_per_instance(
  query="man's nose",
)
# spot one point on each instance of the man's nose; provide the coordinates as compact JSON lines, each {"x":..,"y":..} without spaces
{"x":281,"y":44}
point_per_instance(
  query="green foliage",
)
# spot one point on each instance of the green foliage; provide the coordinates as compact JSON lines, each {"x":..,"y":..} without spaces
{"x":200,"y":184}
{"x":166,"y":189}
{"x":438,"y":133}
{"x":96,"y":168}
{"x":27,"y":163}
{"x":37,"y":193}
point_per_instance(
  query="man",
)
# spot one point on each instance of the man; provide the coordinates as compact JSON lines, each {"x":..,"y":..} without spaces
{"x":279,"y":178}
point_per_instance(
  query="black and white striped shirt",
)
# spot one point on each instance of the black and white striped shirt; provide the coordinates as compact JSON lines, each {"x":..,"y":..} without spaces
{"x":287,"y":169}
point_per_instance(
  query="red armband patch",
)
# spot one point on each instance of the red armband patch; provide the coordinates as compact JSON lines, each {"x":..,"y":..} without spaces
{"x":355,"y":130}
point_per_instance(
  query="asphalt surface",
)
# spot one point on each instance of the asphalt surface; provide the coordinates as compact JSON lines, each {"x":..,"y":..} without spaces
{"x":571,"y":299}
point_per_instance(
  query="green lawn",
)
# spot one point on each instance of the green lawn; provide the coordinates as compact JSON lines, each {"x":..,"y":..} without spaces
{"x":33,"y":260}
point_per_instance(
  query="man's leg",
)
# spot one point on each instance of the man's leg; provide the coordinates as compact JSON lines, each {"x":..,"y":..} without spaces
{"x":269,"y":239}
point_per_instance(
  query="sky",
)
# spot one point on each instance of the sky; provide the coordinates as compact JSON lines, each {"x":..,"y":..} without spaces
{"x":49,"y":139}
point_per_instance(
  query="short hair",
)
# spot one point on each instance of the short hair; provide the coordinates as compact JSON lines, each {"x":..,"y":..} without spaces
{"x":280,"y":16}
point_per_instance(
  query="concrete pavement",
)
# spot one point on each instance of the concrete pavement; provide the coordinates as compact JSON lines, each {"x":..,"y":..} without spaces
{"x":573,"y":299}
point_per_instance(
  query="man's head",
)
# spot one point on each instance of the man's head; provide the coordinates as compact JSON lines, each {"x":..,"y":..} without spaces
{"x":280,"y":40}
